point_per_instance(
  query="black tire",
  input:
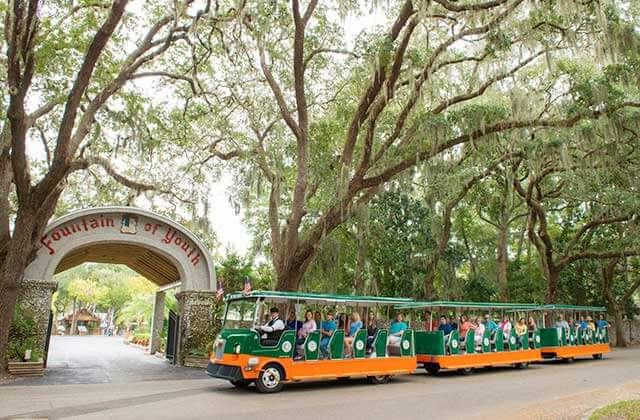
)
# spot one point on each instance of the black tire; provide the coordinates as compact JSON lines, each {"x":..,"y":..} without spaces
{"x":377,"y":380}
{"x":432,"y":368}
{"x":524,"y":365}
{"x":597,"y":356}
{"x":466,"y":371}
{"x":241,"y":383}
{"x":270,"y":379}
{"x":569,"y":360}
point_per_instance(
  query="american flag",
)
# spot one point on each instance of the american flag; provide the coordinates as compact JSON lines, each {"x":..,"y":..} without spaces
{"x":247,"y":286}
{"x":219,"y":288}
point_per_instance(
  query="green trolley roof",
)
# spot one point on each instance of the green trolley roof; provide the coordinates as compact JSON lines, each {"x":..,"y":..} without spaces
{"x":469,"y":305}
{"x":316,"y":297}
{"x":573,"y":308}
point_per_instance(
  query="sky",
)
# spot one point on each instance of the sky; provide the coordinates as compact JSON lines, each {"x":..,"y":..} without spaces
{"x":228,"y":226}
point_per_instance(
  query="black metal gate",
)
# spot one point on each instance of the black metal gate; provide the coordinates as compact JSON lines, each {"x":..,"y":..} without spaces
{"x":47,"y":339}
{"x":172,"y":337}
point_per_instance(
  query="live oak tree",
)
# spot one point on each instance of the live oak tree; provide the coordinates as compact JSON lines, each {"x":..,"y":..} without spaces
{"x":68,"y":73}
{"x":582,"y":201}
{"x":317,"y":127}
{"x":620,"y":280}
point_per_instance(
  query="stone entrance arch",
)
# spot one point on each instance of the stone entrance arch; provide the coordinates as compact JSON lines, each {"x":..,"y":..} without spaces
{"x":154,"y":246}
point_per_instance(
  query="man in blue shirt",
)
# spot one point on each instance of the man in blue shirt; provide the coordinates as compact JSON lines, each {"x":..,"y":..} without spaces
{"x":326,"y":331}
{"x":602,"y":323}
{"x":397,"y":328}
{"x":489,"y":323}
{"x":444,"y":326}
{"x":582,"y":323}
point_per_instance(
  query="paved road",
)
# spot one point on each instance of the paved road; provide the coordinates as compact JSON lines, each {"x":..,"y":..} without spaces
{"x":99,"y":359}
{"x":549,"y":390}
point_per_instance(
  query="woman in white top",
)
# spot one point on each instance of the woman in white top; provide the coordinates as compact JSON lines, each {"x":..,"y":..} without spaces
{"x":308,"y":326}
{"x":505,"y":326}
{"x":478,"y":333}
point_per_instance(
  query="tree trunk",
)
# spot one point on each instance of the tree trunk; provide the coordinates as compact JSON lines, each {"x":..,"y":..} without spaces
{"x":73,"y":317}
{"x":553,"y":277}
{"x":618,"y":319}
{"x":360,"y":260}
{"x":290,"y":277}
{"x":13,"y":266}
{"x":430,"y":275}
{"x":503,"y":261}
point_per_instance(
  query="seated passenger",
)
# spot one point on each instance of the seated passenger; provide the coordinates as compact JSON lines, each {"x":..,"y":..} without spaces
{"x":478,"y":334}
{"x":505,"y":326}
{"x":292,"y":322}
{"x":582,"y":324}
{"x":328,"y":326}
{"x":397,"y":329}
{"x":561,"y":323}
{"x":430,"y":324}
{"x":465,"y":325}
{"x":318,"y":318}
{"x":521,"y":331}
{"x":356,"y":324}
{"x":490,"y":324}
{"x":602,"y":323}
{"x":572,"y":336}
{"x":444,"y":326}
{"x":453,"y":323}
{"x":372,"y":330}
{"x":590,"y":324}
{"x":308,"y":326}
{"x":343,"y":322}
{"x":272,"y":330}
{"x":531,"y":325}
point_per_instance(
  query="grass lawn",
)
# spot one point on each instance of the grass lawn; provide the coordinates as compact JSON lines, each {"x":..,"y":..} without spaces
{"x":626,"y":410}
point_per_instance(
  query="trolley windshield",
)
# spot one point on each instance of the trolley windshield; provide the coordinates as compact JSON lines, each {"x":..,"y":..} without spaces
{"x":240,"y":314}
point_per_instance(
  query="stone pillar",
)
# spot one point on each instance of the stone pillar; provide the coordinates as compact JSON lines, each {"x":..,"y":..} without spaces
{"x":157,"y":321}
{"x":196,"y":310}
{"x":34,"y":298}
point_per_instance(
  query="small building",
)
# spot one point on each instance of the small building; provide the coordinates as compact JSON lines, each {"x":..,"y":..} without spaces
{"x":87,"y":323}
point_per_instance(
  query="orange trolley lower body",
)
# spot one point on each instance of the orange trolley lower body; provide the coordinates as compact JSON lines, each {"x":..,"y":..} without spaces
{"x":476,"y":360}
{"x":569,"y":352}
{"x":320,"y":369}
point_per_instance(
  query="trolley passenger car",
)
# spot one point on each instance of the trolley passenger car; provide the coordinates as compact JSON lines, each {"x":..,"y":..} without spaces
{"x":243,"y":356}
{"x":436,"y":350}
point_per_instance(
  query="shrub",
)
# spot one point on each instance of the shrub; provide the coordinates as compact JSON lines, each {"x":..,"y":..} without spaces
{"x":23,"y":335}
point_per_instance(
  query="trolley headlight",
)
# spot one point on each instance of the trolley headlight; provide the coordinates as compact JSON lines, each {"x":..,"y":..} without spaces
{"x":236,"y":348}
{"x":251,"y":363}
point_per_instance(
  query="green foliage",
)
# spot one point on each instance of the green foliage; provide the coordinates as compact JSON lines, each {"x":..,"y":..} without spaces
{"x":234,"y":269}
{"x":480,"y":289}
{"x":621,"y":410}
{"x":23,"y":335}
{"x":399,"y":241}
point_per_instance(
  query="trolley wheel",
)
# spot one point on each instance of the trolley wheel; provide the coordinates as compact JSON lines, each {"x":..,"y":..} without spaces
{"x":270,"y":379}
{"x":466,"y":371}
{"x":597,"y":356}
{"x":380,"y":379}
{"x":569,"y":360}
{"x":432,"y":368}
{"x":240,"y":383}
{"x":524,"y":365}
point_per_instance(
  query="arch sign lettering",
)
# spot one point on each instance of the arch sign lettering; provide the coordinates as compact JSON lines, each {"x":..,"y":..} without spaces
{"x":110,"y":232}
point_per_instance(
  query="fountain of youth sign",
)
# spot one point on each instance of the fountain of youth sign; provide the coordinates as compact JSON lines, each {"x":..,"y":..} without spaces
{"x":117,"y":235}
{"x":127,"y":224}
{"x":156,"y":247}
